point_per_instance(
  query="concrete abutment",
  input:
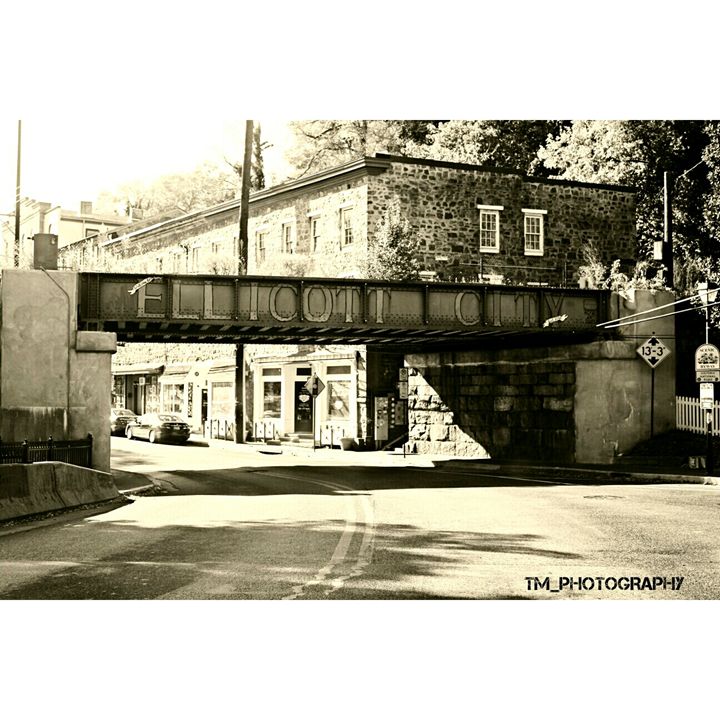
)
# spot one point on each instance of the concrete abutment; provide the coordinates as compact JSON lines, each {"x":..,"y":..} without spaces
{"x":586,"y":403}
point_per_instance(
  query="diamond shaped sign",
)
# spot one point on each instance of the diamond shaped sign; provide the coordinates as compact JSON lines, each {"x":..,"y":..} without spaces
{"x":653,"y":351}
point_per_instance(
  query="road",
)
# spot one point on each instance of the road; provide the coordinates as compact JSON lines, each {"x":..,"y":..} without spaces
{"x":236,"y":524}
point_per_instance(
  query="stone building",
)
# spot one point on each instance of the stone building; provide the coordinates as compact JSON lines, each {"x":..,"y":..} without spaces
{"x":473,"y":223}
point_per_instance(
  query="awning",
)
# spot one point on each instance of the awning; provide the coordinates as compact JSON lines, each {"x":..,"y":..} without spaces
{"x":175,"y":374}
{"x":138,"y":369}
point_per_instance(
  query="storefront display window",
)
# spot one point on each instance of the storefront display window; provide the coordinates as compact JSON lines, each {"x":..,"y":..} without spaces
{"x":338,"y":399}
{"x":272,"y":398}
{"x":222,"y":401}
{"x":172,"y":398}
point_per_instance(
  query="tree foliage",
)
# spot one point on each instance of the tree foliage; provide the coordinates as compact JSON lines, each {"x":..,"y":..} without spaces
{"x":511,"y":144}
{"x":321,"y":144}
{"x":393,"y":249}
{"x":639,"y":153}
{"x":179,"y":193}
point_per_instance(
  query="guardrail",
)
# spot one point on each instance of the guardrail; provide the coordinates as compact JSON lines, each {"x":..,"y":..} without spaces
{"x":72,"y":452}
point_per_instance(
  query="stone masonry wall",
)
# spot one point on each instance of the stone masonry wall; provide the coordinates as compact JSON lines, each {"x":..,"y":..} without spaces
{"x":331,"y":258}
{"x":477,"y":405}
{"x":441,"y":204}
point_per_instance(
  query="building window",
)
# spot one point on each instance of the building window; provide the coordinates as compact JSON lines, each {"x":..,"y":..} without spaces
{"x":490,"y":228}
{"x":338,"y":390}
{"x":346,"y":226}
{"x":534,"y":231}
{"x":338,"y":399}
{"x":315,"y":233}
{"x":272,"y":393}
{"x":222,"y":401}
{"x":261,"y":242}
{"x":288,"y":238}
{"x":177,"y":261}
{"x":172,"y":398}
{"x":194,"y":258}
{"x":215,"y":248}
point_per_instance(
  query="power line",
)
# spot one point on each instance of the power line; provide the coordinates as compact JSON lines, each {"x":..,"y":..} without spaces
{"x":660,"y":307}
{"x":656,"y":317}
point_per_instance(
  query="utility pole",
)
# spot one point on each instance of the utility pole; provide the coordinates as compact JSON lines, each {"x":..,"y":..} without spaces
{"x":17,"y":199}
{"x":242,"y":265}
{"x":245,"y":200}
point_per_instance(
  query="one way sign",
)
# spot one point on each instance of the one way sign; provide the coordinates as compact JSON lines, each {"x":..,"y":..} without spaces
{"x":653,"y":351}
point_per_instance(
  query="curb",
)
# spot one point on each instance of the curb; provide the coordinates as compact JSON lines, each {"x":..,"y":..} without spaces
{"x":619,"y":474}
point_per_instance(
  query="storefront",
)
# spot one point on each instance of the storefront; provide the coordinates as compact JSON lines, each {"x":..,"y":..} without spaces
{"x":284,"y":404}
{"x":137,"y":388}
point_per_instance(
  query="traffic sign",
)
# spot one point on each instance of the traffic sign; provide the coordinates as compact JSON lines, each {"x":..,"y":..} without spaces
{"x":707,"y":364}
{"x":653,"y":351}
{"x":314,"y":385}
{"x":707,"y":396}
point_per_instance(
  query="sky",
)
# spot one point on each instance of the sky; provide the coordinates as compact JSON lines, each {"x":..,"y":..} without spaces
{"x":113,"y":93}
{"x":65,"y":162}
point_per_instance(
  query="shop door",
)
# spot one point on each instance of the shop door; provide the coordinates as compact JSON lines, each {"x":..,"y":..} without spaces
{"x":303,"y":408}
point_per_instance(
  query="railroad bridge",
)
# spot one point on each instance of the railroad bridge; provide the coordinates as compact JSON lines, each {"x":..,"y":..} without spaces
{"x":522,"y":370}
{"x":253,"y":309}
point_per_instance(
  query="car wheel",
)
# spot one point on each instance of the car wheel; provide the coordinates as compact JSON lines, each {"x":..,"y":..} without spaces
{"x":151,"y":436}
{"x":129,"y":433}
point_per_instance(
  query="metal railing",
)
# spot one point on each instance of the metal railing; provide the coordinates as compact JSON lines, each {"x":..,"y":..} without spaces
{"x":220,"y":429}
{"x":72,"y":452}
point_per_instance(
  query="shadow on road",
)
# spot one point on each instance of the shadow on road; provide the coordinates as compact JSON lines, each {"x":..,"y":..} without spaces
{"x":267,"y":560}
{"x":311,"y":479}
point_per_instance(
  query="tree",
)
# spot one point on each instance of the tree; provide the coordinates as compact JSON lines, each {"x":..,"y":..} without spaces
{"x":321,"y":144}
{"x":257,"y":181}
{"x":638,"y":153}
{"x":394,"y":249}
{"x":179,"y":193}
{"x":503,"y":143}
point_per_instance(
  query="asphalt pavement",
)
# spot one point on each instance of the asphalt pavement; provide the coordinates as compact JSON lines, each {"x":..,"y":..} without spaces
{"x":630,"y":470}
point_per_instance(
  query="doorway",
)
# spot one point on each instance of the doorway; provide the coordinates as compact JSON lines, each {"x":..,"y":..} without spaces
{"x":303,"y":408}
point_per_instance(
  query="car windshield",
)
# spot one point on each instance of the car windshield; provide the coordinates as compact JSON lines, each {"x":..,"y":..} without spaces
{"x":170,"y":418}
{"x":124,"y":413}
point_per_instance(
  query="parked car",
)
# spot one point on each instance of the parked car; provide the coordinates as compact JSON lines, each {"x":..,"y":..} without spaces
{"x":119,"y":418}
{"x":159,"y":427}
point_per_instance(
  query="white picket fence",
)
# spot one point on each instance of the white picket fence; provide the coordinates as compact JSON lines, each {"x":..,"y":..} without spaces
{"x":689,"y":415}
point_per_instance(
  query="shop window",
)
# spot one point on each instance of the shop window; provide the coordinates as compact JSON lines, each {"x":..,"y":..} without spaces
{"x":272,"y":396}
{"x":338,"y":399}
{"x":272,"y":393}
{"x":304,"y":372}
{"x":222,"y":400}
{"x":173,"y":397}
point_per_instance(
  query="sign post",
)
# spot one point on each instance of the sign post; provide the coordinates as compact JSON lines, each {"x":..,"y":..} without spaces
{"x":314,"y":386}
{"x":707,"y":372}
{"x":653,"y":351}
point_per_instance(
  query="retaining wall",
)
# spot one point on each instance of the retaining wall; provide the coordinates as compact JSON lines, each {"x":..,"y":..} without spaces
{"x":46,"y":486}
